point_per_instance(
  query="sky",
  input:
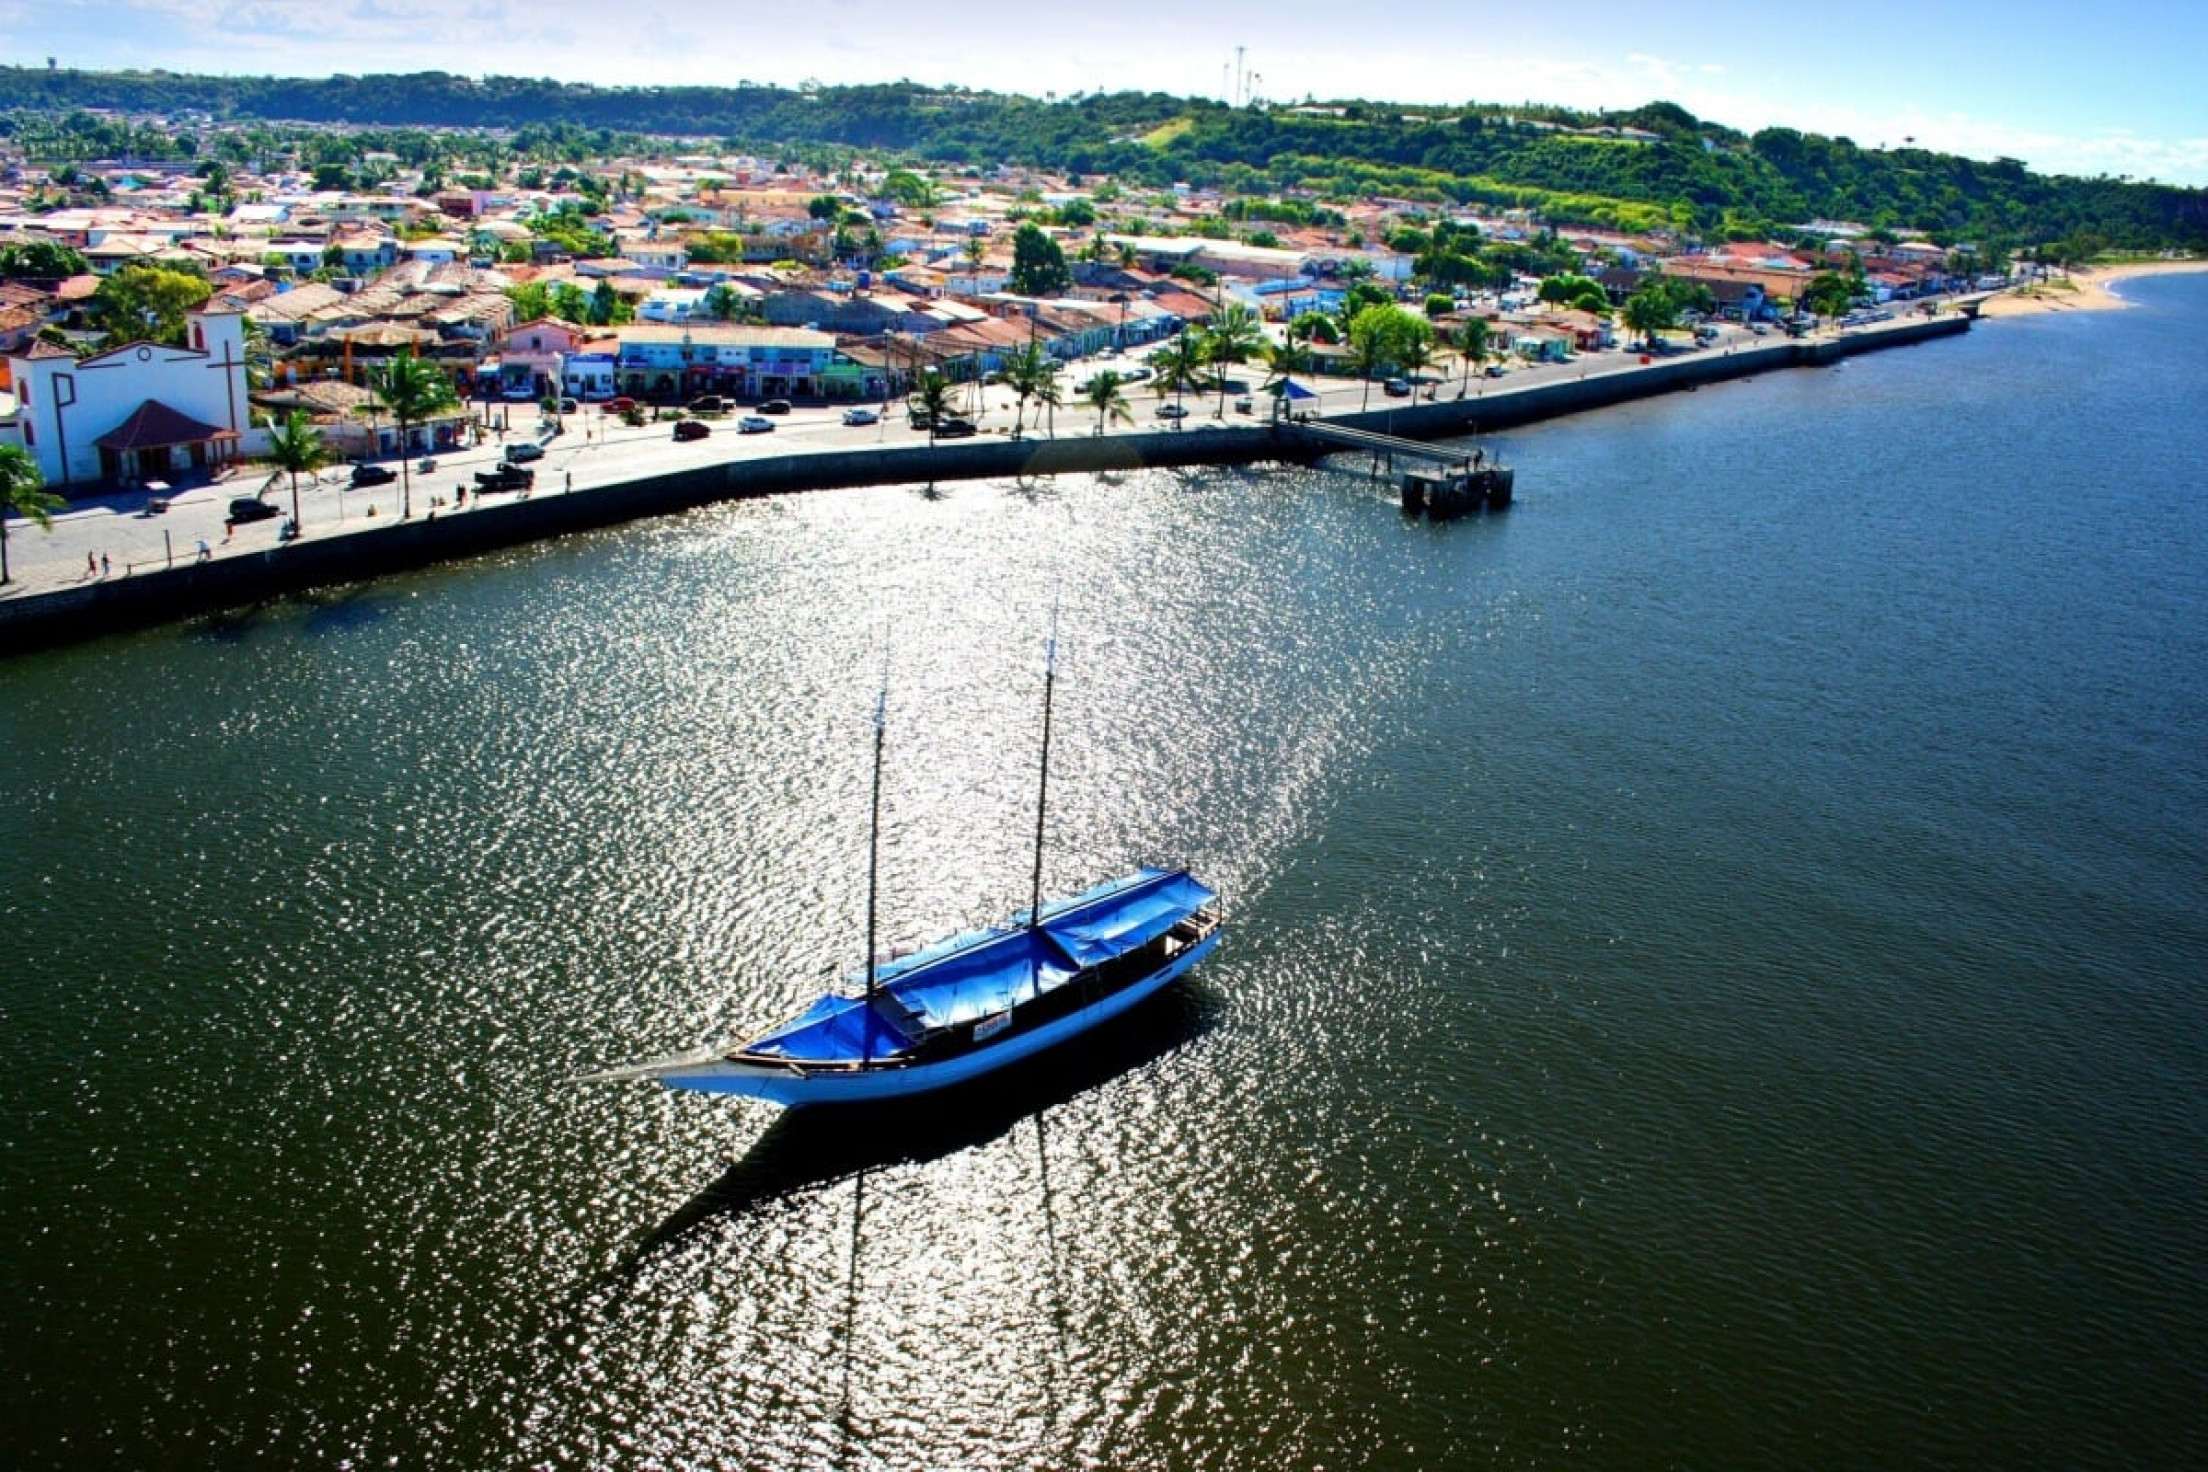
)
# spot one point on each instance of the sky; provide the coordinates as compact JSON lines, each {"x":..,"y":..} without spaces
{"x":2073,"y":88}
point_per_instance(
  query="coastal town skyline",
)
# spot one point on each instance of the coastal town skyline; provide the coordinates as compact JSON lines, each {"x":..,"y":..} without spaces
{"x":2026,"y":81}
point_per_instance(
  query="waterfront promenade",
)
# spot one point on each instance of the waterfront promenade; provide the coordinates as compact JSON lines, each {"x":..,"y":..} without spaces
{"x":601,"y":471}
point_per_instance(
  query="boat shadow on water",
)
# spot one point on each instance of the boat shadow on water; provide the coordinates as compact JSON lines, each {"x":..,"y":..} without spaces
{"x":821,"y":1146}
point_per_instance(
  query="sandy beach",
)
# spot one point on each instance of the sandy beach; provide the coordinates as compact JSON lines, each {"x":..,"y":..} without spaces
{"x":2086,"y":290}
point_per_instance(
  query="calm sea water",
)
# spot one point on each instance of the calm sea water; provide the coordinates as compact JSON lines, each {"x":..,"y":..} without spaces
{"x":1718,"y":975}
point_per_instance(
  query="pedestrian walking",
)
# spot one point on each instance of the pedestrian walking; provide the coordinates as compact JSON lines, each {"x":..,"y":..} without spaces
{"x":105,"y":568}
{"x":91,"y":567}
{"x":570,"y":483}
{"x":205,"y":551}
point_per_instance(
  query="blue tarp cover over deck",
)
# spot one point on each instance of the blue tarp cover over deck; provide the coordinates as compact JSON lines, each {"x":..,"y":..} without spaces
{"x":974,"y":976}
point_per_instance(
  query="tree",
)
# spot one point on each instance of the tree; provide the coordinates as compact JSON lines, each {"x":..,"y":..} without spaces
{"x":1440,"y":303}
{"x":1049,"y":394}
{"x":1038,"y":265}
{"x":1829,"y":294}
{"x":824,"y":207}
{"x":531,"y":299}
{"x":1234,"y":336}
{"x":40,"y":260}
{"x":1179,"y":364}
{"x":1650,"y":311}
{"x":411,"y":391}
{"x":1475,"y":340}
{"x":1381,"y":336}
{"x":1314,"y":327}
{"x":147,"y":302}
{"x":297,"y":448}
{"x":931,"y":396}
{"x":1104,"y":396}
{"x":1569,"y":290}
{"x":23,"y":491}
{"x":1025,"y":370}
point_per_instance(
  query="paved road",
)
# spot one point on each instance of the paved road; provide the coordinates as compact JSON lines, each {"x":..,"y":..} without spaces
{"x":596,"y":450}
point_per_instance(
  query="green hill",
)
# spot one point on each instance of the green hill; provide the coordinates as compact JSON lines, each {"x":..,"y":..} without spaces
{"x":1691,"y":173}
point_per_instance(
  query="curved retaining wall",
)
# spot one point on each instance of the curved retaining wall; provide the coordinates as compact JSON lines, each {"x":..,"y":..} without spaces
{"x":156,"y":596}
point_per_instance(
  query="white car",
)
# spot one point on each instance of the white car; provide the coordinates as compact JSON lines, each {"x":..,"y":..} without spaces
{"x":861,"y":416}
{"x":755,"y":424}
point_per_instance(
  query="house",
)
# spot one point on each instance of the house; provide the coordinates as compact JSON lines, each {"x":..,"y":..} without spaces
{"x":588,"y":375}
{"x":436,"y":250}
{"x":134,"y":412}
{"x":364,"y":254}
{"x":747,"y":362}
{"x":533,"y":354}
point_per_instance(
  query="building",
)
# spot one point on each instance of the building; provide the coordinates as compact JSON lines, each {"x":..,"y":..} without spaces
{"x":743,"y":361}
{"x":141,"y":411}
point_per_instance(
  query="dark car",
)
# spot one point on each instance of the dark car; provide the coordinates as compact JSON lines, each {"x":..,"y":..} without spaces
{"x":955,"y":429}
{"x":709,"y":404}
{"x":374,"y":475}
{"x":505,"y":477}
{"x":1397,"y":388}
{"x":516,"y":454}
{"x":692,"y":429}
{"x":250,"y":508}
{"x":775,"y":406}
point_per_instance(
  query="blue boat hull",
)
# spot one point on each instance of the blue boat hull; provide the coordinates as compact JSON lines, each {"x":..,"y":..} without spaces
{"x":796,"y":1088}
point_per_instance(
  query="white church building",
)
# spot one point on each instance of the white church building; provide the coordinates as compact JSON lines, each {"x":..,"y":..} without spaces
{"x":132,"y":413}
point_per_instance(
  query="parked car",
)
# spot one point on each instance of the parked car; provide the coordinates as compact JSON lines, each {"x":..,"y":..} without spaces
{"x":505,"y":476}
{"x":775,"y":406}
{"x":753,"y":424}
{"x":954,"y":428}
{"x":1172,"y":411}
{"x":1397,"y":388}
{"x":250,"y":508}
{"x":567,"y":406}
{"x":1494,"y":370}
{"x":861,"y":416}
{"x":621,"y":405}
{"x":710,"y":404}
{"x":1245,"y":405}
{"x":525,"y":450}
{"x":1134,"y":375}
{"x":374,"y":475}
{"x":692,"y":429}
{"x":519,"y":393}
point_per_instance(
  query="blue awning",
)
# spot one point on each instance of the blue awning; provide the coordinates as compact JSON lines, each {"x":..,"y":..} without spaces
{"x":981,"y":974}
{"x":983,"y":980}
{"x":1093,"y":931}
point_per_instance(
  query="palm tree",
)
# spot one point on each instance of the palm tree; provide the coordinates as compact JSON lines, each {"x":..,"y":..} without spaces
{"x":1104,"y":396}
{"x":412,"y":390}
{"x":23,"y":491}
{"x":297,"y":448}
{"x":1473,"y":340}
{"x":1024,"y":372}
{"x":1049,"y":394}
{"x":1180,"y":364}
{"x":1235,"y":335}
{"x":1369,"y":352}
{"x":1416,"y":354}
{"x":931,"y":395}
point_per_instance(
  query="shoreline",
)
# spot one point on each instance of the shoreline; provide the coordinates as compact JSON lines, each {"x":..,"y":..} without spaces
{"x":64,"y":614}
{"x":2088,"y":290}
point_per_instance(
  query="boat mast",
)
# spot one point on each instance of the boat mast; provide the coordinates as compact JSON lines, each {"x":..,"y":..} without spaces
{"x":874,"y":867}
{"x":1042,"y":804}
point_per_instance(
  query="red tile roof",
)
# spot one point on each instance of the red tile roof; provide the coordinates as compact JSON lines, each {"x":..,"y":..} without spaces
{"x":154,"y":424}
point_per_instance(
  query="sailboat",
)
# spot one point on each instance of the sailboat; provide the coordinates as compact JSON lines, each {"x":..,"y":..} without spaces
{"x":972,"y":1004}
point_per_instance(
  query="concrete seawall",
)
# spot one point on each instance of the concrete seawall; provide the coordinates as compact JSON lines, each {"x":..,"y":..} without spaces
{"x":189,"y":588}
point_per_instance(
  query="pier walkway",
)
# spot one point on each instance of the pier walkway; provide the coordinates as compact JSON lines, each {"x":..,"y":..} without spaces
{"x":1372,"y":442}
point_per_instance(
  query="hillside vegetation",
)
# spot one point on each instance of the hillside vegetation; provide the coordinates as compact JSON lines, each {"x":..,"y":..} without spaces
{"x":1697,"y":175}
